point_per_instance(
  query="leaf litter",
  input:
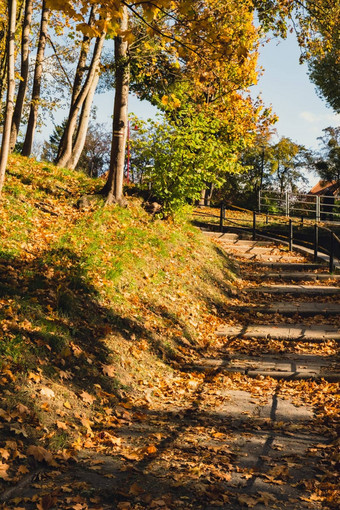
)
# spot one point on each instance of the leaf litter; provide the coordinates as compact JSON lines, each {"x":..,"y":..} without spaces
{"x":106,"y":414}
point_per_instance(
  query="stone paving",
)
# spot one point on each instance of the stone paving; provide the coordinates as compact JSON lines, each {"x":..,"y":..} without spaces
{"x":301,"y":330}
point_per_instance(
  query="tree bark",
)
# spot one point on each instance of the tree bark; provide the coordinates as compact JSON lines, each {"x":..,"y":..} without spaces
{"x":3,"y":71}
{"x":24,"y":73}
{"x":12,"y":8}
{"x":84,"y":51}
{"x":114,"y":185}
{"x":75,"y":108}
{"x":38,"y":71}
{"x":82,"y":126}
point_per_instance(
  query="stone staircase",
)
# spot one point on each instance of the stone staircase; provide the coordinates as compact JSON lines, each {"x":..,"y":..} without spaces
{"x":289,"y":289}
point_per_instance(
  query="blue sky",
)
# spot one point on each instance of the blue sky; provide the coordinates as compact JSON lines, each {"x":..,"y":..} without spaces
{"x":285,"y":85}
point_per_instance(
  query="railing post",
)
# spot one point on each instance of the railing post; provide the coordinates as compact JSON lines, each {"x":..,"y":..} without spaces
{"x":267,"y":219}
{"x":331,"y":253}
{"x":318,"y":208}
{"x":254,"y":225}
{"x":222,"y":216}
{"x":290,"y":235}
{"x":287,"y":203}
{"x":259,"y":201}
{"x":316,"y":241}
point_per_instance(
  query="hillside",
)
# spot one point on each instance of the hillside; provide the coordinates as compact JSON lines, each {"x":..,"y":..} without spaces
{"x":99,"y":307}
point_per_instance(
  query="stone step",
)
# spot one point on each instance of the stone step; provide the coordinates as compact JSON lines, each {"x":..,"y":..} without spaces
{"x":301,"y":332}
{"x":244,"y":243}
{"x":295,"y":276}
{"x":288,"y":266}
{"x":291,"y":368}
{"x":285,"y":308}
{"x":254,"y":249}
{"x":219,"y":235}
{"x":294,"y":289}
{"x":268,"y":258}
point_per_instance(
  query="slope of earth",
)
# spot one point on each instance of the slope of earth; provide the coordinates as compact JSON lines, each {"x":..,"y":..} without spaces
{"x":107,"y":318}
{"x":98,"y":307}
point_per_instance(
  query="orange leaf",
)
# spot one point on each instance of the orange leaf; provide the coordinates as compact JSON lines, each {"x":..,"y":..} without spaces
{"x":61,"y":425}
{"x":87,"y":398}
{"x":40,"y":454}
{"x":3,"y":471}
{"x":22,"y":470}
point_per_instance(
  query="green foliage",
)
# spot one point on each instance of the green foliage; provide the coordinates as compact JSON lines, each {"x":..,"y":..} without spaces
{"x":181,"y":156}
{"x":325,"y":74}
{"x":327,"y":162}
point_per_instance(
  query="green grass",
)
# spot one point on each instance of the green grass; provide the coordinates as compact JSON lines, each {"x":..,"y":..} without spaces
{"x":81,"y":288}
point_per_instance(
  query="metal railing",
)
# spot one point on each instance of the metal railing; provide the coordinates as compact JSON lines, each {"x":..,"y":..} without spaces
{"x":317,"y":207}
{"x":315,"y":247}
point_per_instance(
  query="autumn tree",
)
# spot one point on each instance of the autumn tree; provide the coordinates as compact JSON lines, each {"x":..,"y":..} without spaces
{"x":287,"y":162}
{"x":12,"y":9}
{"x":37,"y":79}
{"x":24,"y":72}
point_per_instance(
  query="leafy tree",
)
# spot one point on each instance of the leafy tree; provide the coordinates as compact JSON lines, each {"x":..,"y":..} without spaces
{"x":180,"y":157}
{"x":287,"y":160}
{"x":327,"y":162}
{"x":325,"y":73}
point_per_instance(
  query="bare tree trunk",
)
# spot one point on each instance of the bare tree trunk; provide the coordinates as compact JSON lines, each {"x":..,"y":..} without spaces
{"x":84,"y":51}
{"x":82,"y":126}
{"x":38,"y":71}
{"x":12,"y":8}
{"x":24,"y":73}
{"x":74,"y":110}
{"x":114,"y":184}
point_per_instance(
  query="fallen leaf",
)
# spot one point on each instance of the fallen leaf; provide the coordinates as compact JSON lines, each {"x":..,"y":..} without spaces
{"x":22,"y":470}
{"x":34,"y":377}
{"x":87,"y":398}
{"x":61,"y":425}
{"x":47,"y":392}
{"x":244,"y":499}
{"x":40,"y":454}
{"x":5,"y":454}
{"x":67,"y":405}
{"x":46,"y":502}
{"x":3,"y":471}
{"x":108,"y":370}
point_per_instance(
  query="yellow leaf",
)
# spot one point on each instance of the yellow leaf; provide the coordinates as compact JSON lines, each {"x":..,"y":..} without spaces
{"x":67,"y":405}
{"x":165,"y":100}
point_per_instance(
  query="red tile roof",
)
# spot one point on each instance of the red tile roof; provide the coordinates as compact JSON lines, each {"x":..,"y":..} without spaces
{"x":326,"y":188}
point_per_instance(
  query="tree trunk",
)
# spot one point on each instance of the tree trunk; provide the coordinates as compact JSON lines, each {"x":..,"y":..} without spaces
{"x":114,"y":184}
{"x":38,"y":71}
{"x":82,"y":126}
{"x":74,"y":110}
{"x":24,"y":73}
{"x":84,"y":51}
{"x":3,"y":71}
{"x":202,"y":198}
{"x":12,"y":8}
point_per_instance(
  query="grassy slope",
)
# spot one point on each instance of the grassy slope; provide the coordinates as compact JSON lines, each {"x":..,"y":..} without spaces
{"x":95,"y":304}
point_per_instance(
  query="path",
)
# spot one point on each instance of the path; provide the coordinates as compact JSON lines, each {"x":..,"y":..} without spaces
{"x":248,"y":424}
